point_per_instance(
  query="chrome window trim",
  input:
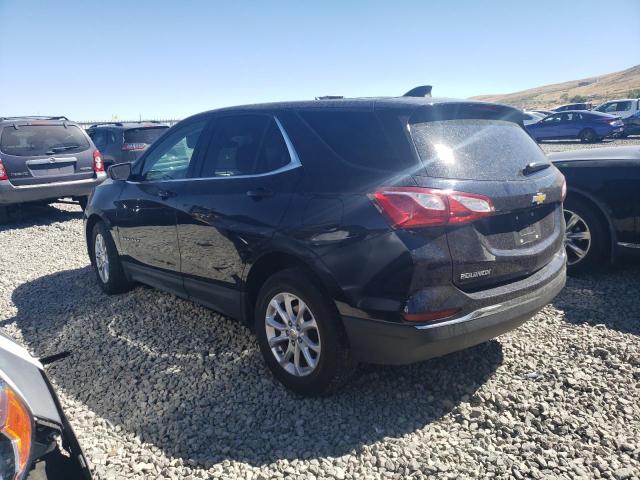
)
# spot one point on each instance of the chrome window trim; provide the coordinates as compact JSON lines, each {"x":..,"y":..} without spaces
{"x":293,"y":163}
{"x":629,"y":245}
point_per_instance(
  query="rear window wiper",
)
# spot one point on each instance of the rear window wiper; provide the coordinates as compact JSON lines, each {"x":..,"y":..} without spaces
{"x":534,"y":167}
{"x":53,"y":150}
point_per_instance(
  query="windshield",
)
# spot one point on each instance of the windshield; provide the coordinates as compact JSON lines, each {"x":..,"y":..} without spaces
{"x":39,"y":140}
{"x":475,"y":149}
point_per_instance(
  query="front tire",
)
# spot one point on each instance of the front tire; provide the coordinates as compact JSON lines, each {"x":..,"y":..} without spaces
{"x":106,"y":262}
{"x":301,"y":336}
{"x":586,"y":237}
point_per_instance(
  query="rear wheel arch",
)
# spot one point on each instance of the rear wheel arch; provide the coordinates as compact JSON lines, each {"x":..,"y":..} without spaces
{"x":273,"y":262}
{"x":94,"y":219}
{"x":601,"y":211}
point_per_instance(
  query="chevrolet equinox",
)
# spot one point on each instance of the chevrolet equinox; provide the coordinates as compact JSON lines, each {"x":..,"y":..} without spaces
{"x":385,"y":230}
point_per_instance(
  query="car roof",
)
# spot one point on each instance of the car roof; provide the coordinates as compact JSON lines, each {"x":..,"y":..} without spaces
{"x":369,"y":103}
{"x":630,"y":152}
{"x":128,"y":125}
{"x":590,"y":112}
{"x":27,"y":119}
{"x":620,"y":100}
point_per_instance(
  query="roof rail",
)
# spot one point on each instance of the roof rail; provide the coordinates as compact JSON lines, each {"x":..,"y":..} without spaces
{"x":35,"y":117}
{"x":119,"y":124}
{"x":330,"y":97}
{"x":421,"y":91}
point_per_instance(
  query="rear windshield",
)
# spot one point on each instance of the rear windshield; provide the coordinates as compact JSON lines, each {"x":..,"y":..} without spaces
{"x":38,"y":140}
{"x":143,"y":135}
{"x":475,"y":149}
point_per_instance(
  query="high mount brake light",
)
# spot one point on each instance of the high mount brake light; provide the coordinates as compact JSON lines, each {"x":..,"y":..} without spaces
{"x":16,"y":426}
{"x":414,"y":207}
{"x":98,"y":164}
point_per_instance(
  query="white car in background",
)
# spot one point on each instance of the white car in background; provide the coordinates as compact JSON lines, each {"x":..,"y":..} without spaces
{"x":627,"y":110}
{"x":531,"y":117}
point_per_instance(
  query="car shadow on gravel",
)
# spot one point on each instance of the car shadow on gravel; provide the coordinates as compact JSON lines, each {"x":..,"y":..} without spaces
{"x":193,"y":383}
{"x":609,"y":297}
{"x":39,"y":214}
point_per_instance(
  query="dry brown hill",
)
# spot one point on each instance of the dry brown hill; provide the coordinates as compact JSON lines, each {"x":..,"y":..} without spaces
{"x":596,"y":89}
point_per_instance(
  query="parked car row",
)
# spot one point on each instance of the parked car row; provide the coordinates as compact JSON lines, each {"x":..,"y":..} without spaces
{"x":268,"y":213}
{"x":579,"y":121}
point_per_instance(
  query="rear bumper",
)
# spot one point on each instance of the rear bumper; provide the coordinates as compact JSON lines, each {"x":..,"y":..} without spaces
{"x":11,"y":194}
{"x":500,"y":310}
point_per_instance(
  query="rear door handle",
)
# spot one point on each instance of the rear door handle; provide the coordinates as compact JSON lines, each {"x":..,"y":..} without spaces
{"x":260,"y":192}
{"x":165,"y":194}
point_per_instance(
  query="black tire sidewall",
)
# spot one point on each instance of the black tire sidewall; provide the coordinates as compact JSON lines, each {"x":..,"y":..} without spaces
{"x":117,"y":280}
{"x":588,"y":136}
{"x":599,"y":236}
{"x":334,"y":349}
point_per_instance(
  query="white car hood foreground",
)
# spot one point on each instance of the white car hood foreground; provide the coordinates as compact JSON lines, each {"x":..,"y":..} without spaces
{"x":25,"y":375}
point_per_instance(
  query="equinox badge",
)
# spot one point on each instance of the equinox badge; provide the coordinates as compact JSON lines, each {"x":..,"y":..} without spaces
{"x":539,"y":198}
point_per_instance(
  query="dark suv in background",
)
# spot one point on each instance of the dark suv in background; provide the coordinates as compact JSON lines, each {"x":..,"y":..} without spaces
{"x":385,"y":230}
{"x":45,"y":158}
{"x":124,"y":142}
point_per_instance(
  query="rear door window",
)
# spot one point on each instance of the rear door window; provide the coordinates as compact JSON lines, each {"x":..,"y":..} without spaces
{"x":475,"y":149}
{"x":40,"y":140}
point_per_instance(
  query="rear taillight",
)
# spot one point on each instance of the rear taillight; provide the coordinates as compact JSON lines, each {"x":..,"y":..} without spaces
{"x":129,"y":147}
{"x":98,"y":164}
{"x":414,"y":207}
{"x":3,"y":172}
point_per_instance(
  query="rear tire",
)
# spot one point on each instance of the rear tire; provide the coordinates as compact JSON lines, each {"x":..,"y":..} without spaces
{"x":586,"y":238}
{"x":106,"y":262}
{"x":588,"y":136}
{"x":284,"y":334}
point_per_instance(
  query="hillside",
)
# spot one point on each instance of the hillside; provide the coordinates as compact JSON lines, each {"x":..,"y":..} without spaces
{"x":596,"y":89}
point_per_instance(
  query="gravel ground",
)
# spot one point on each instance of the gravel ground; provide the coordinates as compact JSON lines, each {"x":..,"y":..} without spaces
{"x":562,"y":145}
{"x":158,"y":387}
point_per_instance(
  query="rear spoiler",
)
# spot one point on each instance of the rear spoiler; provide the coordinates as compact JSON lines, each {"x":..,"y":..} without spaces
{"x":420,"y":92}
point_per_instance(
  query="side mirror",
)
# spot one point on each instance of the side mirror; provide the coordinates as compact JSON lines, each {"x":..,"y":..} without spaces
{"x":120,"y":171}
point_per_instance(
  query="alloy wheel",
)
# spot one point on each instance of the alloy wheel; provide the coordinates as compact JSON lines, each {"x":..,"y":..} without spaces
{"x":293,"y":334}
{"x":577,"y":238}
{"x":101,"y":257}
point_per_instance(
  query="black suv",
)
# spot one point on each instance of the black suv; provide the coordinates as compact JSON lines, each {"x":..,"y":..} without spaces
{"x":385,"y":230}
{"x":124,"y":142}
{"x":45,"y":158}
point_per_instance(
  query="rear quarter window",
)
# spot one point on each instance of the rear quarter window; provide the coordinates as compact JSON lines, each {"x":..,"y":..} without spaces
{"x":358,"y":139}
{"x":40,"y":140}
{"x":474,"y":149}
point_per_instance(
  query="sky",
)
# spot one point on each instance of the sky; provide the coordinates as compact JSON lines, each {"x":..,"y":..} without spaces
{"x":98,"y":60}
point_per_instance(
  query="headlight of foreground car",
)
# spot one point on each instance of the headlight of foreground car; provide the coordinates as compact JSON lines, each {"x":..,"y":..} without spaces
{"x":16,"y":430}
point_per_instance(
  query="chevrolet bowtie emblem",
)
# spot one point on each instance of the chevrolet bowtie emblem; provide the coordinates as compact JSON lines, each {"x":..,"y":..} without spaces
{"x":539,"y":198}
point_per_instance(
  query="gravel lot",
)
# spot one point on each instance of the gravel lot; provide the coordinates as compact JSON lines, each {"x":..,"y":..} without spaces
{"x":158,"y":387}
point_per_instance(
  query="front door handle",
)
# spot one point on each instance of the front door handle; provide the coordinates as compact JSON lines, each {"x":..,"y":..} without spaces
{"x":165,"y":194}
{"x":260,"y":192}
